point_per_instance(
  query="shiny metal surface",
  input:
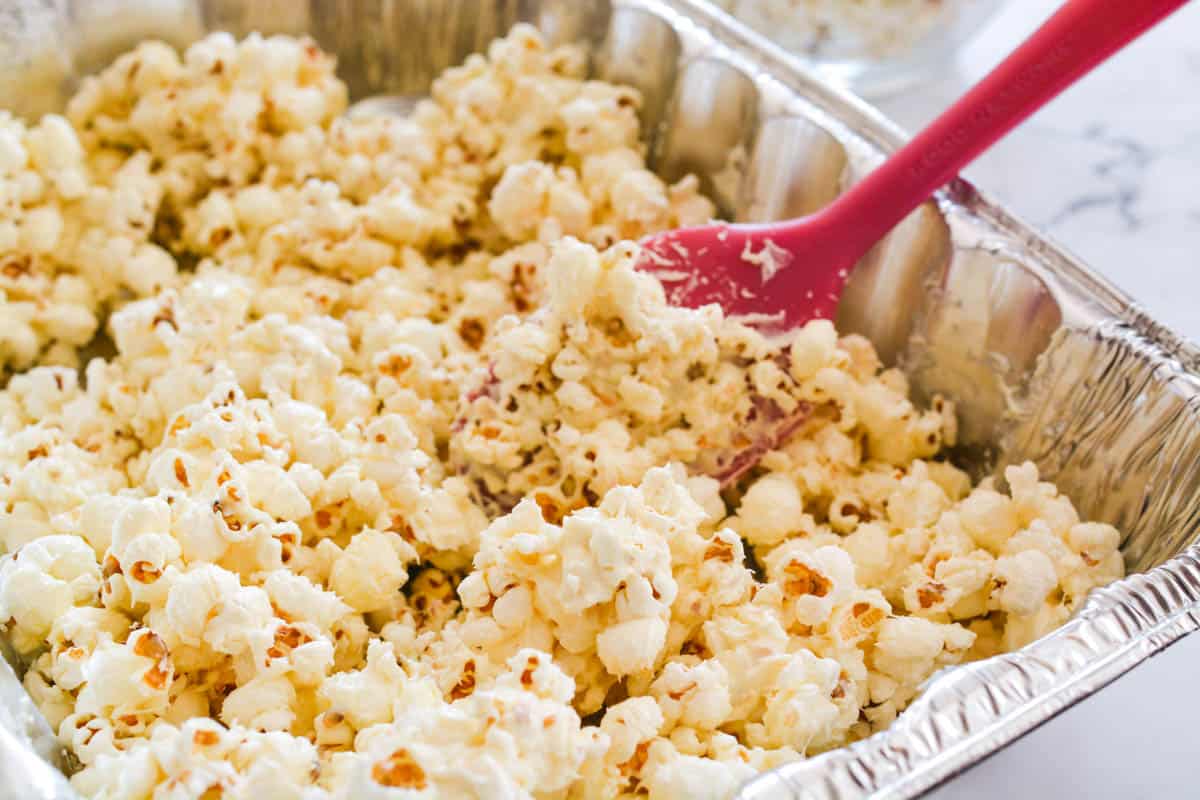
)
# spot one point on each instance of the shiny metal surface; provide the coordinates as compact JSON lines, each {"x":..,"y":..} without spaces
{"x":1045,"y":359}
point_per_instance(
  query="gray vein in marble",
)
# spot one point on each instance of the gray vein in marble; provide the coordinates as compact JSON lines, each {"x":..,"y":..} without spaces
{"x":1123,"y":171}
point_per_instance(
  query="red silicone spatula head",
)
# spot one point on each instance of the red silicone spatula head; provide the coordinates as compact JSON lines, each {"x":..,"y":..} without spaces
{"x":774,"y":277}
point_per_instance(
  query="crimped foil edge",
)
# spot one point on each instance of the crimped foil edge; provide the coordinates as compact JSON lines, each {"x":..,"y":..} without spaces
{"x":968,"y":711}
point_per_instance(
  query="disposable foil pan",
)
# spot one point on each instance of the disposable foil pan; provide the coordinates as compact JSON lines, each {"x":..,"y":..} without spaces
{"x":1046,"y":360}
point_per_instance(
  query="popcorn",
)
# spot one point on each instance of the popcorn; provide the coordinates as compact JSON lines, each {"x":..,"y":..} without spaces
{"x":75,"y":636}
{"x":208,"y":610}
{"x":72,"y":238}
{"x":801,"y":712}
{"x":125,"y":679}
{"x":813,"y":582}
{"x":907,"y":648}
{"x":771,"y":509}
{"x":602,"y":580}
{"x":629,"y":724}
{"x":532,"y":201}
{"x":371,"y":569}
{"x":356,"y":697}
{"x":398,"y":465}
{"x":201,"y":756}
{"x":298,"y":598}
{"x":990,"y":518}
{"x":41,"y":582}
{"x":669,"y":774}
{"x":263,"y":704}
{"x":1022,"y":581}
{"x":697,"y":697}
{"x":518,"y":737}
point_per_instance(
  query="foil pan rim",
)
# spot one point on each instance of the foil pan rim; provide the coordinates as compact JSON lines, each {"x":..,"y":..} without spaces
{"x":966,"y":712}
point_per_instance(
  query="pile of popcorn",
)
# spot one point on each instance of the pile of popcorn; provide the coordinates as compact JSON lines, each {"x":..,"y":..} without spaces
{"x":401,"y":481}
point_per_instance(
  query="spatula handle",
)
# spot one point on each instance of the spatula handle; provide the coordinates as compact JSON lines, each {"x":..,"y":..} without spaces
{"x":1081,"y":35}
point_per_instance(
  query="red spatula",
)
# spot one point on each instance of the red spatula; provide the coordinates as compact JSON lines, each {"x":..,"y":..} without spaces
{"x":782,"y":274}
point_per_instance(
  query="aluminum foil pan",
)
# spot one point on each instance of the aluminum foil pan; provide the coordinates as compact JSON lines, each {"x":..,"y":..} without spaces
{"x":1045,"y":359}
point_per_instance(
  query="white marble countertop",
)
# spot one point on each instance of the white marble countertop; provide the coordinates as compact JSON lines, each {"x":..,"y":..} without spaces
{"x":1111,"y":170}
